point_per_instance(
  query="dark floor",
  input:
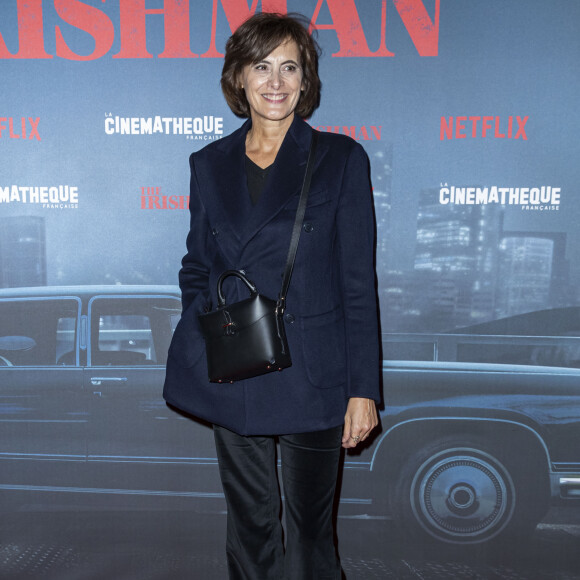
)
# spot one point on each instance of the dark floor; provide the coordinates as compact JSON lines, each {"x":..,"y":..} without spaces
{"x":174,"y":546}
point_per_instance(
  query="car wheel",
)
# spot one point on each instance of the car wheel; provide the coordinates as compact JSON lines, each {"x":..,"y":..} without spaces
{"x":455,"y":490}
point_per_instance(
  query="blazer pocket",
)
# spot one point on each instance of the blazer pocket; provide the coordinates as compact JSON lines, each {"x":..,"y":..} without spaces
{"x":315,"y":198}
{"x":324,"y":349}
{"x":187,"y":345}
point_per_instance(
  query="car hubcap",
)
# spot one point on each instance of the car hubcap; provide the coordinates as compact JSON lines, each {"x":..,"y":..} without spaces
{"x":463,"y":498}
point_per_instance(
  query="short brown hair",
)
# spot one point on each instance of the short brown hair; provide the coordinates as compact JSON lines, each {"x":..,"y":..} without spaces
{"x":253,"y":41}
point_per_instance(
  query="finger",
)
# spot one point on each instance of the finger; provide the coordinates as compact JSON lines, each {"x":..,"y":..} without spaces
{"x":356,"y":439}
{"x":346,"y":431}
{"x":351,"y":441}
{"x":372,"y":423}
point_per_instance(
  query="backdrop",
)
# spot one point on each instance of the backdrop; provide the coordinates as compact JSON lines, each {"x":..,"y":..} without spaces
{"x":468,"y":112}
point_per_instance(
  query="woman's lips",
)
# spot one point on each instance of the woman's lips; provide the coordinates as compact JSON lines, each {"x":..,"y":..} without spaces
{"x":275,"y":98}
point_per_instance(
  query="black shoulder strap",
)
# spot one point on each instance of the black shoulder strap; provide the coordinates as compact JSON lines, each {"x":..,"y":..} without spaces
{"x":297,"y":224}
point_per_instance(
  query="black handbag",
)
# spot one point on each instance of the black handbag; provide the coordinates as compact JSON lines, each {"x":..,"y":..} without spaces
{"x":247,"y":338}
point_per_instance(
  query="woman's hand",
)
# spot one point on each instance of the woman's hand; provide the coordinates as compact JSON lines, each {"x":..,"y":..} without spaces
{"x":360,"y":419}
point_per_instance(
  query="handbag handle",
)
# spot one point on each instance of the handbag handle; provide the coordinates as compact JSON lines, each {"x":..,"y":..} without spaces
{"x":221,"y":298}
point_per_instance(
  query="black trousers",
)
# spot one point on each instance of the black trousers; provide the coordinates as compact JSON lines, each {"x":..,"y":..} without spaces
{"x":254,"y":545}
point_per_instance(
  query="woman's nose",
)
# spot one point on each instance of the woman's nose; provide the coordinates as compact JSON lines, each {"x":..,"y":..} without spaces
{"x":275,"y":79}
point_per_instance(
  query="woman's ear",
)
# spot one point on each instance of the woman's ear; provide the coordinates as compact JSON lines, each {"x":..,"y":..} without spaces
{"x":238,"y":80}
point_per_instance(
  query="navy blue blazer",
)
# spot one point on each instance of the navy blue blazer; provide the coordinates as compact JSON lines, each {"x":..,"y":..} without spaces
{"x":331,"y":315}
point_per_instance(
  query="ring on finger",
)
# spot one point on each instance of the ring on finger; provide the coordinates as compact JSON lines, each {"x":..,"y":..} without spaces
{"x":355,"y":438}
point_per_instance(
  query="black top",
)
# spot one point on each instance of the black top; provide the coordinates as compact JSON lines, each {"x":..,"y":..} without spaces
{"x":256,"y":177}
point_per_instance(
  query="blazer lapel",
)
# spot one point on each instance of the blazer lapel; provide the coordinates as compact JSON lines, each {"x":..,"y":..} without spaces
{"x":231,"y":186}
{"x":284,"y":180}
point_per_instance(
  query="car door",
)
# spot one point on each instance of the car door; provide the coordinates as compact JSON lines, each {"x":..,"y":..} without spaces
{"x":135,"y":441}
{"x":43,"y":416}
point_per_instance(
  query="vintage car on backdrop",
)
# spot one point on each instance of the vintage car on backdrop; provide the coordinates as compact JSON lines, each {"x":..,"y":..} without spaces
{"x":480,"y":431}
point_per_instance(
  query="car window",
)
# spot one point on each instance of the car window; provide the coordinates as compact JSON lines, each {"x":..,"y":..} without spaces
{"x":131,"y":330}
{"x":65,"y":340}
{"x":552,"y":351}
{"x":544,"y":338}
{"x":548,"y":337}
{"x":546,"y":351}
{"x":38,"y":332}
{"x":411,"y":351}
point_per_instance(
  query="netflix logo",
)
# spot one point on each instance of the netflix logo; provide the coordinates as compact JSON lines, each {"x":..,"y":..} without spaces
{"x":481,"y":127}
{"x":19,"y":128}
{"x":153,"y":198}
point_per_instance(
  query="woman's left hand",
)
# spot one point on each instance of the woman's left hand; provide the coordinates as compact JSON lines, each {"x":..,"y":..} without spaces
{"x":360,"y":419}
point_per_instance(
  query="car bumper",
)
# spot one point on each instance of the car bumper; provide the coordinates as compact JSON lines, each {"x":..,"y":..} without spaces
{"x":565,"y":486}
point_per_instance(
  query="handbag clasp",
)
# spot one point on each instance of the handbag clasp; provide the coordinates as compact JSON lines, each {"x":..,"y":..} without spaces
{"x":230,"y":326}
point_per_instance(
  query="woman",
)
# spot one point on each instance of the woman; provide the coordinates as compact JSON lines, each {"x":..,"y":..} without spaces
{"x":244,"y":195}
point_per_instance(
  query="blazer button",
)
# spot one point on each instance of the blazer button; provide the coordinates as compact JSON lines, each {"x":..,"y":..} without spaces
{"x":308,"y":227}
{"x":289,"y":318}
{"x":215,"y":231}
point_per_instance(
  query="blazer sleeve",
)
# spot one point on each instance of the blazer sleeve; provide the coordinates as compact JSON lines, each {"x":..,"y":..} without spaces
{"x":356,"y":246}
{"x":195,"y":268}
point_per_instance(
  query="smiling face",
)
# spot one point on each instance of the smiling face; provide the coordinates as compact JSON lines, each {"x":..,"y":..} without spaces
{"x":273,"y":85}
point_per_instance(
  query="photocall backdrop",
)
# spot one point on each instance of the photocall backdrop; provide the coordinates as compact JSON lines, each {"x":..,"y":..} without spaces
{"x":467,"y":110}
